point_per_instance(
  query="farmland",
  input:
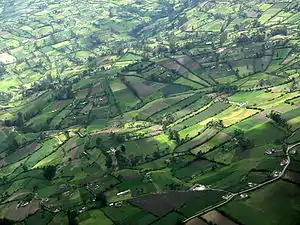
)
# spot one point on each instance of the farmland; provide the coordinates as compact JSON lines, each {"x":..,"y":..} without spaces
{"x":149,"y":112}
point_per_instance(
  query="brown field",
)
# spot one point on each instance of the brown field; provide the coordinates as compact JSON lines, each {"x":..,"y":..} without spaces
{"x":198,"y":140}
{"x":97,"y":89}
{"x":142,"y":87}
{"x":60,"y":104}
{"x":70,"y":144}
{"x":21,"y":153}
{"x":196,"y":221}
{"x":155,"y":107}
{"x":292,"y":176}
{"x":173,"y":65}
{"x":266,"y":61}
{"x":189,"y":63}
{"x":288,"y":60}
{"x":217,"y":218}
{"x":81,"y":94}
{"x":13,"y":212}
{"x":223,"y":136}
{"x":161,"y":204}
{"x":260,"y":117}
{"x":74,"y":153}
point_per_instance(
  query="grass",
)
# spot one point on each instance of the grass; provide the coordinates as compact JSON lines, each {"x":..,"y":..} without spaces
{"x":189,"y":83}
{"x":206,"y":199}
{"x":264,"y":204}
{"x":270,"y":12}
{"x":122,"y":213}
{"x":175,"y":89}
{"x":58,"y":219}
{"x":265,"y":133}
{"x":194,"y":169}
{"x":170,"y":219}
{"x":53,"y":159}
{"x":126,"y":99}
{"x":197,"y":141}
{"x":235,"y":114}
{"x":162,"y":179}
{"x":154,"y":107}
{"x":230,"y":177}
{"x":93,"y":217}
{"x":41,"y":217}
{"x":213,"y":110}
{"x":294,"y":138}
{"x":149,"y":145}
{"x":47,"y":148}
{"x":171,"y":69}
{"x":251,"y":97}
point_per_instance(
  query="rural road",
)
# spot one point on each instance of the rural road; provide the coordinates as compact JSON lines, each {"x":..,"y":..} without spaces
{"x":231,"y":196}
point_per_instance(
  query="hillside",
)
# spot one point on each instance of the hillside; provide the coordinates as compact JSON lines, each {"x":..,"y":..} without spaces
{"x":149,"y":112}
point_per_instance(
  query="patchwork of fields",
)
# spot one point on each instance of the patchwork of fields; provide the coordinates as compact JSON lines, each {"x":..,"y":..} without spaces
{"x":149,"y":112}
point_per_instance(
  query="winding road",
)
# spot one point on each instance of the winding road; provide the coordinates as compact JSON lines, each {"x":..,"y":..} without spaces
{"x":233,"y":195}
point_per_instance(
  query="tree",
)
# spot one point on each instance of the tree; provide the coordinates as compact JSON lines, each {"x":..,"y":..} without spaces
{"x":108,"y":161}
{"x":66,"y":133}
{"x":215,"y":124}
{"x":179,"y":222}
{"x":5,"y":221}
{"x":72,"y":217}
{"x":225,"y":88}
{"x":24,"y":167}
{"x":20,"y":120}
{"x":174,"y":135}
{"x":177,"y":137}
{"x":156,"y":154}
{"x":49,"y":172}
{"x":123,"y":148}
{"x":241,"y":141}
{"x":276,"y":117}
{"x":101,"y":199}
{"x":98,"y":142}
{"x":168,"y":119}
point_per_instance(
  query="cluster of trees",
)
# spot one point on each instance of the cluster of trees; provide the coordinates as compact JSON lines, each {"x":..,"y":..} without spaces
{"x":118,"y":138}
{"x":167,"y":120}
{"x":241,"y":141}
{"x":2,"y":69}
{"x":101,"y":200}
{"x":108,"y":159}
{"x":5,"y":221}
{"x":72,"y":217}
{"x":215,"y":124}
{"x":11,"y":143}
{"x":264,"y":82}
{"x":173,"y":186}
{"x":64,"y":93}
{"x":174,"y":135}
{"x":278,"y":30}
{"x":243,"y":39}
{"x":61,"y":88}
{"x":49,"y":172}
{"x":5,"y":96}
{"x":225,"y":88}
{"x":276,"y":117}
{"x":129,"y":86}
{"x":139,"y":159}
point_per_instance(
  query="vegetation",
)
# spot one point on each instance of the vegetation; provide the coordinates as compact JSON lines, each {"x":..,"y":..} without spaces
{"x":117,"y":112}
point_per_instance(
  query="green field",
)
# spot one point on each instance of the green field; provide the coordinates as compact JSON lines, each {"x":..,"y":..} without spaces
{"x":118,"y":112}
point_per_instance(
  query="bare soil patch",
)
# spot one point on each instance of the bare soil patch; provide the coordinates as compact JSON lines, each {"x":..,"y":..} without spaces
{"x":13,"y":212}
{"x":218,"y":218}
{"x":196,"y":221}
